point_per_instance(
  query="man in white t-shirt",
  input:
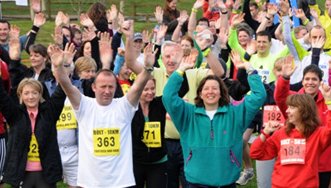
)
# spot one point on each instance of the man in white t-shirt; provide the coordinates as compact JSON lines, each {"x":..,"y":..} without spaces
{"x":105,"y":147}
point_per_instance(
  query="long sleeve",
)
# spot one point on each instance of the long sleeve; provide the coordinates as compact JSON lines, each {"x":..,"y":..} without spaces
{"x":118,"y":63}
{"x":234,"y":43}
{"x":315,"y":56}
{"x":96,"y":52}
{"x":282,"y":91}
{"x":264,"y":150}
{"x":116,"y":42}
{"x":288,"y":38}
{"x":248,"y":17}
{"x":177,"y":108}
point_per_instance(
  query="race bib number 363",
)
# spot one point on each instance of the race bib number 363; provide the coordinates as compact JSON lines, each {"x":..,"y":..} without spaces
{"x":293,"y":151}
{"x":106,"y":142}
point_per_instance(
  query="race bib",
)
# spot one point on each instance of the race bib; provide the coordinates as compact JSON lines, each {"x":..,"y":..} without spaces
{"x":272,"y":113}
{"x":125,"y":88}
{"x":152,"y":134}
{"x":67,"y":119}
{"x":33,"y":155}
{"x":264,"y":75}
{"x":106,"y":142}
{"x":293,"y":151}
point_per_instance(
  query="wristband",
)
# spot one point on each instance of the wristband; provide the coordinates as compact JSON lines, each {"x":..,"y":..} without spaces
{"x":194,"y":10}
{"x":206,"y":52}
{"x":305,"y":22}
{"x":265,"y":134}
{"x":267,"y":18}
{"x":35,"y":28}
{"x":226,"y":12}
{"x":181,"y":73}
{"x":328,"y":102}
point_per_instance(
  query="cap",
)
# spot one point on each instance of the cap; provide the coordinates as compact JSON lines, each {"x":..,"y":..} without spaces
{"x":137,"y":36}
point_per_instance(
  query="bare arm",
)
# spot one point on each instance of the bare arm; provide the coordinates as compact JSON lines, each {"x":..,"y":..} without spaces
{"x":192,"y":22}
{"x":181,"y":19}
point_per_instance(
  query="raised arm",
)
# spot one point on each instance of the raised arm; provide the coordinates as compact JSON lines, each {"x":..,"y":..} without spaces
{"x":60,"y":59}
{"x":192,"y":22}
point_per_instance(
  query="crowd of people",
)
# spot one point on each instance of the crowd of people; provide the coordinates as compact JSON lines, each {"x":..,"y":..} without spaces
{"x":105,"y":106}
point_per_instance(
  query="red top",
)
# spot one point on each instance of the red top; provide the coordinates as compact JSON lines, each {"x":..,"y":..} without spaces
{"x":282,"y":90}
{"x":6,"y":83}
{"x":294,"y":175}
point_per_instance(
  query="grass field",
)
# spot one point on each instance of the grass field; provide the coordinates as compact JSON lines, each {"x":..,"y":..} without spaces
{"x":44,"y":35}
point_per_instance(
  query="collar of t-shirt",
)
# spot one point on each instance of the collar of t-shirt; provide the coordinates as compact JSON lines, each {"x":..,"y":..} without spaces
{"x":32,"y":115}
{"x":211,"y":113}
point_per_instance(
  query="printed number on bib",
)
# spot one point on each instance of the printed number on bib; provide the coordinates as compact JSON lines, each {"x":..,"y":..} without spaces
{"x":67,"y":119}
{"x":33,"y":155}
{"x":272,"y":113}
{"x":152,"y":134}
{"x":293,"y":151}
{"x":264,"y":75}
{"x":106,"y":142}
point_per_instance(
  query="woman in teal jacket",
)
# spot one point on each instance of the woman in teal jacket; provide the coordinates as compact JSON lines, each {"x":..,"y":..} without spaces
{"x":211,"y":130}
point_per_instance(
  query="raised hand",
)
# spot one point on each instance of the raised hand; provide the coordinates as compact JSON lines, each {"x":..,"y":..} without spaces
{"x":273,"y":9}
{"x":284,"y":7}
{"x":188,"y":62}
{"x":161,"y":32}
{"x":236,"y":4}
{"x":236,"y":60}
{"x":58,"y":19}
{"x":288,"y":67}
{"x":251,"y":47}
{"x":14,"y":43}
{"x":149,"y":55}
{"x":158,"y":14}
{"x":88,"y":34}
{"x":112,"y":13}
{"x":198,"y":4}
{"x":86,"y":21}
{"x":314,"y":14}
{"x":69,"y":53}
{"x":56,"y":55}
{"x":299,"y":13}
{"x":14,"y":32}
{"x":121,"y":51}
{"x":127,"y":28}
{"x":39,"y":19}
{"x":146,"y":36}
{"x":237,"y":19}
{"x":223,"y":36}
{"x":106,"y":53}
{"x":182,"y":17}
{"x":229,"y":3}
{"x":318,"y":43}
{"x":36,"y":6}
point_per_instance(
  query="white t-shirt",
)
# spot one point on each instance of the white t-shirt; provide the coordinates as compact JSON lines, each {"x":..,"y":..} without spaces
{"x":105,"y":144}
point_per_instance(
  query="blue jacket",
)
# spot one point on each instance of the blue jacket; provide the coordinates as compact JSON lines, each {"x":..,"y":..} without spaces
{"x":212,"y":148}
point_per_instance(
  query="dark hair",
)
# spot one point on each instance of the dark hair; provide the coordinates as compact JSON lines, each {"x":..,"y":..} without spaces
{"x":313,"y":69}
{"x":308,"y":113}
{"x":97,"y":13}
{"x":264,"y":33}
{"x":40,"y":49}
{"x":203,"y":19}
{"x":188,"y":38}
{"x":5,"y":21}
{"x":80,"y":52}
{"x":254,"y":4}
{"x":224,"y":100}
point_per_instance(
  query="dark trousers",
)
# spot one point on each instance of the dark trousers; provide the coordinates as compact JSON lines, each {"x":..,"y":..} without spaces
{"x":175,"y":164}
{"x":35,"y":180}
{"x":192,"y":185}
{"x":154,"y":175}
{"x":324,"y":178}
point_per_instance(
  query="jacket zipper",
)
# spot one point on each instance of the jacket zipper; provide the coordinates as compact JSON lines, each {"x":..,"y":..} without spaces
{"x":189,"y":157}
{"x":211,"y":130}
{"x":234,"y":158}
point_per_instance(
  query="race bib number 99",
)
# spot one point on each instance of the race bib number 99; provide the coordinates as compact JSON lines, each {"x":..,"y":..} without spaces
{"x":293,"y":151}
{"x":152,"y":134}
{"x":106,"y":142}
{"x":67,"y":119}
{"x":33,"y":155}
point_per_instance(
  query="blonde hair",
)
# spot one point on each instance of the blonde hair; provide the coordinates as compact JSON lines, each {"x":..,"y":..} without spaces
{"x":35,"y":84}
{"x":84,"y":63}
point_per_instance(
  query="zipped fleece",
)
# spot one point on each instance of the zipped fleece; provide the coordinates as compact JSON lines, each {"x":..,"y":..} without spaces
{"x":212,"y":148}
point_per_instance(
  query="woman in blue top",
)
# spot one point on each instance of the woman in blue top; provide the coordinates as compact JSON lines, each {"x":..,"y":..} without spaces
{"x":211,"y":130}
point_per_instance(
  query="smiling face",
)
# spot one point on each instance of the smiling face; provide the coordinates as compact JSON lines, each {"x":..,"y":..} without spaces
{"x":4,"y":32}
{"x":37,"y":60}
{"x":172,"y":5}
{"x":87,"y":50}
{"x":210,"y":93}
{"x":243,"y":38}
{"x":311,"y":83}
{"x":148,"y":93}
{"x":293,"y":115}
{"x":30,"y":96}
{"x":171,"y":58}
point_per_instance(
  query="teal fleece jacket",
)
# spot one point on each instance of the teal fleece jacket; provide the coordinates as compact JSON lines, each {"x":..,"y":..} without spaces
{"x":212,"y":148}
